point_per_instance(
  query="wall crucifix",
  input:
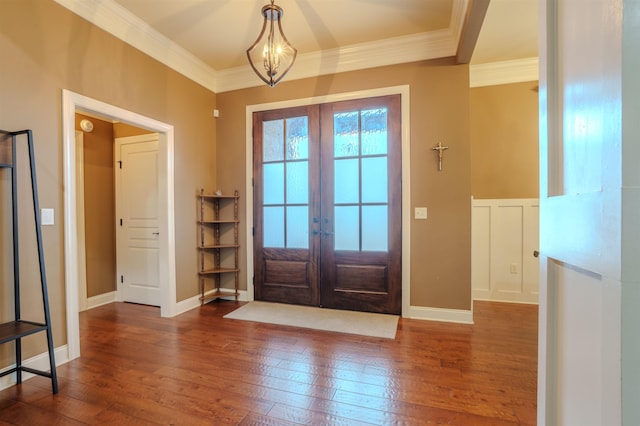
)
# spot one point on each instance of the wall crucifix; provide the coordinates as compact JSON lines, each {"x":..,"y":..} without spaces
{"x":440,"y":148}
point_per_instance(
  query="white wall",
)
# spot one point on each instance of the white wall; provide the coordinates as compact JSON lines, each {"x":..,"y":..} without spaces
{"x":504,"y":234}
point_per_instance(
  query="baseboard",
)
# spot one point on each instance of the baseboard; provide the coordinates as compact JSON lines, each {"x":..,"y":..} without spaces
{"x":440,"y":314}
{"x":194,"y":302}
{"x":505,"y":300}
{"x":38,"y":362}
{"x":101,"y":299}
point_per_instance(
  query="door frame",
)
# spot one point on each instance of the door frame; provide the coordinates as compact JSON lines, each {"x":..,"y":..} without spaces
{"x":82,"y":261}
{"x":72,"y":102}
{"x":403,"y":91}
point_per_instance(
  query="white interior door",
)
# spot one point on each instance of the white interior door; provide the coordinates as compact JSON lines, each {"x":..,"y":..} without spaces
{"x":580,"y":213}
{"x":138,"y":216}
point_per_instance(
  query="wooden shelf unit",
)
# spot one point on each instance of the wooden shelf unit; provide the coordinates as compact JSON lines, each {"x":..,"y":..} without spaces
{"x":215,"y":225}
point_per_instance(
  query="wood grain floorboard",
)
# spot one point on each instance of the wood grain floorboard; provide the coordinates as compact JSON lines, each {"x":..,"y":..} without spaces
{"x":202,"y":369}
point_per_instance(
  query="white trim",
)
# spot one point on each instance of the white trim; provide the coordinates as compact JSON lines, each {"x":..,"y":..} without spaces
{"x":494,"y":250}
{"x":101,"y":299}
{"x":403,"y":91}
{"x":194,"y":302}
{"x":37,"y":362}
{"x":412,"y":48}
{"x":505,"y":72}
{"x":82,"y":260}
{"x":121,"y":23}
{"x":70,"y":103}
{"x":439,"y":314}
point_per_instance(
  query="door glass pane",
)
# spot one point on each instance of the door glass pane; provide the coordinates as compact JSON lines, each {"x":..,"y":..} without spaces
{"x":346,"y":134}
{"x":273,"y":140}
{"x":298,"y":227}
{"x":346,"y":181}
{"x":347,"y":228}
{"x":297,"y":138}
{"x":298,"y":182}
{"x":273,"y":224}
{"x":273,"y":183}
{"x":374,"y":180}
{"x":374,"y":131}
{"x":374,"y":228}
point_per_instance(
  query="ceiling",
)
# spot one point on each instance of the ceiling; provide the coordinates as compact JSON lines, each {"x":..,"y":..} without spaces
{"x":334,"y":34}
{"x":219,"y":31}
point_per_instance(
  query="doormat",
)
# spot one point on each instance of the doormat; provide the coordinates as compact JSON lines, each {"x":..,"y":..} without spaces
{"x":350,"y":322}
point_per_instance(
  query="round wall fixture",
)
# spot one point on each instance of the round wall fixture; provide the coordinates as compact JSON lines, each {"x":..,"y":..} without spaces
{"x":86,"y":125}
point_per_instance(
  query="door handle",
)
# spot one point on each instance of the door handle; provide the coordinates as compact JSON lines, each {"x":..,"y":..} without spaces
{"x":327,"y":234}
{"x":155,"y":233}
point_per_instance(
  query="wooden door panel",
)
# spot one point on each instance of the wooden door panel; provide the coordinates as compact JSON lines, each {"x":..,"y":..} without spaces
{"x":286,"y":273}
{"x":361,"y":277}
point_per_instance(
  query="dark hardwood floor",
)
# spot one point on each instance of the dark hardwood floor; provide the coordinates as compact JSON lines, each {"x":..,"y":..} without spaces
{"x":198,"y":368}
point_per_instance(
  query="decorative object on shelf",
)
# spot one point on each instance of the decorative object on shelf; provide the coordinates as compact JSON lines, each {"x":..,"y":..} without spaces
{"x":218,"y":246}
{"x":440,"y":148}
{"x":14,"y":331}
{"x":271,"y":56}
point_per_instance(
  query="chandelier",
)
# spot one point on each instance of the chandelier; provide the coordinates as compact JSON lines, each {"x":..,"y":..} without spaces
{"x":271,"y":56}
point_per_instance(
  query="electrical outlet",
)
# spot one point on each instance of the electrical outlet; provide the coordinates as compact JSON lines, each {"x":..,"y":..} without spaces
{"x":513,"y":268}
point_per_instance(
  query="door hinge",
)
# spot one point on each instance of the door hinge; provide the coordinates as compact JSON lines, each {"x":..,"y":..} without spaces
{"x":120,"y":222}
{"x":119,"y":163}
{"x":121,"y":279}
{"x":253,"y":231}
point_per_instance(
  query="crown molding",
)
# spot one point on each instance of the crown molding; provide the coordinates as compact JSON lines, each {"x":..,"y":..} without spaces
{"x":118,"y":21}
{"x":397,"y":50}
{"x":504,"y":72}
{"x":416,"y":47}
{"x":124,"y":25}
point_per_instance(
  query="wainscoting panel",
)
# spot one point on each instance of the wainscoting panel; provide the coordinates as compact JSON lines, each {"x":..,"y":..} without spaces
{"x":504,"y":236}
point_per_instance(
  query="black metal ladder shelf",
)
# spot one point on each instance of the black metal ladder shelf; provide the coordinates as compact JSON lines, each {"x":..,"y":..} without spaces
{"x":14,"y":331}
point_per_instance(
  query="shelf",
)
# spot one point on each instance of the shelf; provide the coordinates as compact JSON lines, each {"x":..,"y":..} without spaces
{"x":16,"y":329}
{"x":217,"y":294}
{"x":218,"y":197}
{"x":216,"y":222}
{"x":218,"y":271}
{"x":218,"y":216}
{"x":218,"y":246}
{"x":11,"y":163}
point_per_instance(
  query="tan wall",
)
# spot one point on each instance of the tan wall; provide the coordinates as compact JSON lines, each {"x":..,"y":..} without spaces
{"x":441,"y":245}
{"x":504,"y":141}
{"x":99,"y":207}
{"x":46,"y":48}
{"x":123,"y":130}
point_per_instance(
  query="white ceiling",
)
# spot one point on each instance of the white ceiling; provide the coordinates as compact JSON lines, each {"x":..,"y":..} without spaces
{"x":330,"y":35}
{"x":509,"y":32}
{"x":219,"y":31}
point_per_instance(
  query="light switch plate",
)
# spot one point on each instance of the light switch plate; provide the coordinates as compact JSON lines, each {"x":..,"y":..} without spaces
{"x":46,"y":217}
{"x":420,"y":213}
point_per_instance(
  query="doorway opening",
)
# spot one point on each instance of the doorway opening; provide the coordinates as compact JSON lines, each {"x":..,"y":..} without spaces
{"x":72,"y":103}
